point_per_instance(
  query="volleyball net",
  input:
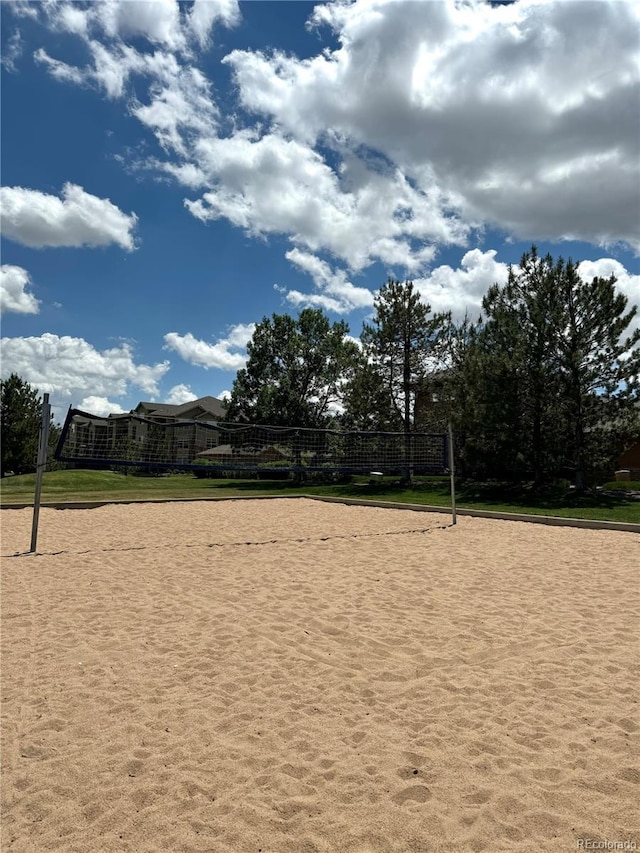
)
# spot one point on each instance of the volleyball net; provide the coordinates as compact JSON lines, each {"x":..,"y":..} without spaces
{"x":153,"y":443}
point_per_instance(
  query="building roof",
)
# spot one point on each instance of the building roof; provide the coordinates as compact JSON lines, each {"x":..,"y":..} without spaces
{"x":208,"y":405}
{"x":156,"y":408}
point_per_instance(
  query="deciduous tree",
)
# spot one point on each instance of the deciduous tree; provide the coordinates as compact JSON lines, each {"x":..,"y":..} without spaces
{"x":295,"y":371}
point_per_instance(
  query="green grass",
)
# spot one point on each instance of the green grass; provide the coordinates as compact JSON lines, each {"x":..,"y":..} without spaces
{"x":623,"y":486}
{"x":101,"y":485}
{"x":67,"y":486}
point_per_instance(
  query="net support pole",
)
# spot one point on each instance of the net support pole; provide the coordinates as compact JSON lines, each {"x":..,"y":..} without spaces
{"x":452,"y":473}
{"x":43,"y":446}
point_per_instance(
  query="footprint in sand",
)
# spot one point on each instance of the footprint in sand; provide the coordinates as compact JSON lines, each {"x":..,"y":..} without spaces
{"x":478,"y":798}
{"x":414,"y":793}
{"x":630,"y":774}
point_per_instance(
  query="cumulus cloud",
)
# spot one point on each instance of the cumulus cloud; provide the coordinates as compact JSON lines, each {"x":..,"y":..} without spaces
{"x":13,"y":295}
{"x":179,"y":394}
{"x":626,"y":282}
{"x":162,"y":23}
{"x":179,"y":105}
{"x":461,"y":290}
{"x":99,"y":406}
{"x":171,"y":31}
{"x":179,"y":102}
{"x":240,"y":335}
{"x":37,"y":219}
{"x":71,"y":368}
{"x":156,"y":20}
{"x":25,"y":9}
{"x":226,"y":354}
{"x":359,"y":211}
{"x":525,"y":113}
{"x":278,"y":185}
{"x":428,"y":121}
{"x":336,"y":294}
{"x":204,"y":13}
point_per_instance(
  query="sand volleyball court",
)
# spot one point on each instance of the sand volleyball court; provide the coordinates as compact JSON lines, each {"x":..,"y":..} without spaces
{"x":291,"y":676}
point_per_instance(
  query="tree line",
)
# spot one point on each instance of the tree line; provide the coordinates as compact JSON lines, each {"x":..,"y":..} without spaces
{"x":543,"y":385}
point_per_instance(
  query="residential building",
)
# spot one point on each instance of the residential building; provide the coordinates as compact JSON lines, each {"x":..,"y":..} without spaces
{"x":183,"y":431}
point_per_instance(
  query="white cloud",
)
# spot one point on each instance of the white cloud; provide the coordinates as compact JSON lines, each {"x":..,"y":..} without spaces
{"x":99,"y":406}
{"x":626,"y":282}
{"x":182,"y":105}
{"x":240,"y":335}
{"x":337,"y":293}
{"x":311,"y":300}
{"x":13,"y":296}
{"x":113,"y":65}
{"x":278,"y":185}
{"x":221,"y":355}
{"x":36,"y":219}
{"x":25,"y":9}
{"x":262,"y":183}
{"x":179,"y":103}
{"x":12,"y":52}
{"x":156,"y":20}
{"x":170,"y":30}
{"x":204,"y":13}
{"x":361,"y":211}
{"x":179,"y":394}
{"x":71,"y":368}
{"x":524,"y":114}
{"x":429,"y":120}
{"x":187,"y":174}
{"x":160,"y":22}
{"x":109,"y":71}
{"x":74,"y":19}
{"x":461,"y":290}
{"x":58,"y":69}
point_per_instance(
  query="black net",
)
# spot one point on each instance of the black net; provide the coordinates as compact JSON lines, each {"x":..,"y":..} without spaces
{"x":132,"y":440}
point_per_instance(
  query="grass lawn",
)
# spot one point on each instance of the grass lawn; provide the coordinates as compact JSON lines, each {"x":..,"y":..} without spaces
{"x":111,"y":486}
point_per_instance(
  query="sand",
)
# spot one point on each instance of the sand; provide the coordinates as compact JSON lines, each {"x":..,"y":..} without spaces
{"x":300,"y":676}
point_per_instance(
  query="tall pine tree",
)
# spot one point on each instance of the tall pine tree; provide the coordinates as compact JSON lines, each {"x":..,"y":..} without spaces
{"x":554,"y":377}
{"x":519,"y":340}
{"x":598,"y":368}
{"x":21,"y":414}
{"x":401,"y":352}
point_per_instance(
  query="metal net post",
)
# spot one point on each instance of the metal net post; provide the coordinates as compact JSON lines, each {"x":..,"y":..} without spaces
{"x":452,"y":471}
{"x":43,"y":446}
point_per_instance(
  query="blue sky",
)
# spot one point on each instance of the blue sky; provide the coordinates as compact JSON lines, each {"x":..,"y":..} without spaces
{"x":174,"y":172}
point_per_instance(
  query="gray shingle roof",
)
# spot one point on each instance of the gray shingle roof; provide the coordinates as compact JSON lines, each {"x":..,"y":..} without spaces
{"x":208,"y":404}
